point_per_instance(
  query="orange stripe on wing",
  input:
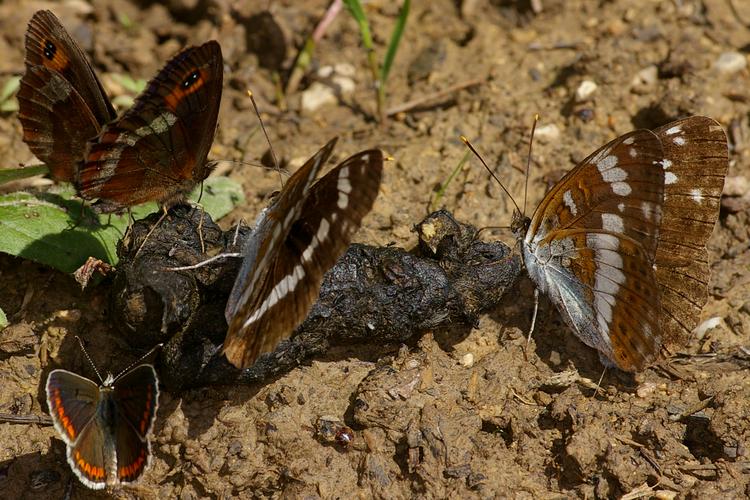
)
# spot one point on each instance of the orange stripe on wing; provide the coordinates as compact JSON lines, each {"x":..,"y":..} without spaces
{"x":131,"y":471}
{"x":90,"y":471}
{"x":62,"y":416}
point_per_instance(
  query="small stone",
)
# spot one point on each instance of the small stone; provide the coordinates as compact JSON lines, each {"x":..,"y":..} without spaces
{"x":646,"y":389}
{"x":316,"y":96}
{"x":467,"y":361}
{"x":730,"y":62}
{"x":648,"y":75}
{"x":337,"y":82}
{"x":645,"y":79}
{"x":709,"y":324}
{"x":585,"y":90}
{"x":547,"y":133}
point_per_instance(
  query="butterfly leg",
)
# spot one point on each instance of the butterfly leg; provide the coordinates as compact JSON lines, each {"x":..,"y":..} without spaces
{"x":533,"y":317}
{"x":163,"y":215}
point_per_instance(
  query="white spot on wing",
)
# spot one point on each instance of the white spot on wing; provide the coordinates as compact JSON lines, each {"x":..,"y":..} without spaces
{"x":613,"y":223}
{"x":674,"y":130}
{"x":629,"y":141}
{"x":621,"y":188}
{"x":670,"y":178}
{"x":606,"y":163}
{"x":568,"y":199}
{"x":697,"y":195}
{"x":679,"y":140}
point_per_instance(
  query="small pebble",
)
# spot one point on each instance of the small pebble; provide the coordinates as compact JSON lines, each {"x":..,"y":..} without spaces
{"x":467,"y":360}
{"x":710,"y":323}
{"x":547,"y":133}
{"x":647,"y":75}
{"x":730,"y":62}
{"x":585,"y":90}
{"x":646,"y":389}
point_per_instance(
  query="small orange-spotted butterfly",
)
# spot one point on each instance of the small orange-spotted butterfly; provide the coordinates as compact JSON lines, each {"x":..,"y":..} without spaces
{"x":619,"y":244}
{"x":106,"y":427}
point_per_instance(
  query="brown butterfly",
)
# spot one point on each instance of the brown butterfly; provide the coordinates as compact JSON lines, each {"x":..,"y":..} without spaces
{"x":156,"y":151}
{"x":297,"y":239}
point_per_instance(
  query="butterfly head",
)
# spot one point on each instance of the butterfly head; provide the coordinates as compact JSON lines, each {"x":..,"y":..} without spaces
{"x":519,"y":224}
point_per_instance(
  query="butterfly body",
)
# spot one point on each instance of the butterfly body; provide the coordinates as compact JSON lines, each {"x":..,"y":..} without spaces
{"x":106,"y":428}
{"x":602,"y":243}
{"x":296,"y":240}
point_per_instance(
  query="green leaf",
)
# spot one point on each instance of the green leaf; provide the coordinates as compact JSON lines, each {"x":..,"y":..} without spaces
{"x":10,"y":88}
{"x":3,"y":320}
{"x":56,"y":229}
{"x":134,"y":85}
{"x":13,"y":174}
{"x":398,"y":30}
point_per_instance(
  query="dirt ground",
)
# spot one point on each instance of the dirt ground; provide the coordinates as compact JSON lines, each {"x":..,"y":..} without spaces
{"x":481,"y":417}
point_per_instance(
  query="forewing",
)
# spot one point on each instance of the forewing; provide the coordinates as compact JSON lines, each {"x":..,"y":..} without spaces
{"x":48,"y":44}
{"x":72,"y":401}
{"x":619,"y":189}
{"x":137,"y":396}
{"x":329,"y":218}
{"x":61,"y":101}
{"x":696,"y":161}
{"x":273,"y":226}
{"x":157,"y":150}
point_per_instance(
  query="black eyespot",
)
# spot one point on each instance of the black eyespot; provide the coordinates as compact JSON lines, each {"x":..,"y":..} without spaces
{"x":50,"y":49}
{"x":191,"y":79}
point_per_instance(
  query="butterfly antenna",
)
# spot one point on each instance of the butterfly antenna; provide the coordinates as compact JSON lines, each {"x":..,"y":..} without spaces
{"x":528,"y":162}
{"x":138,"y":361}
{"x":91,"y":362}
{"x":265,"y":133}
{"x":468,"y":145}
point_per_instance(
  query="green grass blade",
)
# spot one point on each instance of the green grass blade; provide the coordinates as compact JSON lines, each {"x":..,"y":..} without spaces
{"x":3,"y":320}
{"x":13,"y":174}
{"x":355,"y":7}
{"x":441,"y":192}
{"x":398,"y":31}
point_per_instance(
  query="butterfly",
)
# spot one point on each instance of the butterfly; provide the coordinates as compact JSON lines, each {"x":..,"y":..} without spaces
{"x":296,"y":240}
{"x":106,"y":427}
{"x":618,"y":244}
{"x":156,"y":151}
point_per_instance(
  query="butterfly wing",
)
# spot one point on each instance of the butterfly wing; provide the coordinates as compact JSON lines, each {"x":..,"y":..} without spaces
{"x":61,"y":101}
{"x":157,"y":150}
{"x":136,"y":396}
{"x":312,"y":244}
{"x":591,"y":244}
{"x":696,"y":161}
{"x":90,"y":457}
{"x":72,"y":402}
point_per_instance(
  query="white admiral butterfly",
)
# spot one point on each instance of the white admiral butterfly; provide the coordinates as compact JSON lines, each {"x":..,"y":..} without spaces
{"x":618,"y":244}
{"x":295,"y":241}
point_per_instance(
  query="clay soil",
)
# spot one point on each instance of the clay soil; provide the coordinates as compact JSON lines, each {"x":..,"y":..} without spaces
{"x":449,"y":415}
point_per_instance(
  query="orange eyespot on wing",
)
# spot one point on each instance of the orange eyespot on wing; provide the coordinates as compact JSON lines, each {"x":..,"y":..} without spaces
{"x":190,"y":84}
